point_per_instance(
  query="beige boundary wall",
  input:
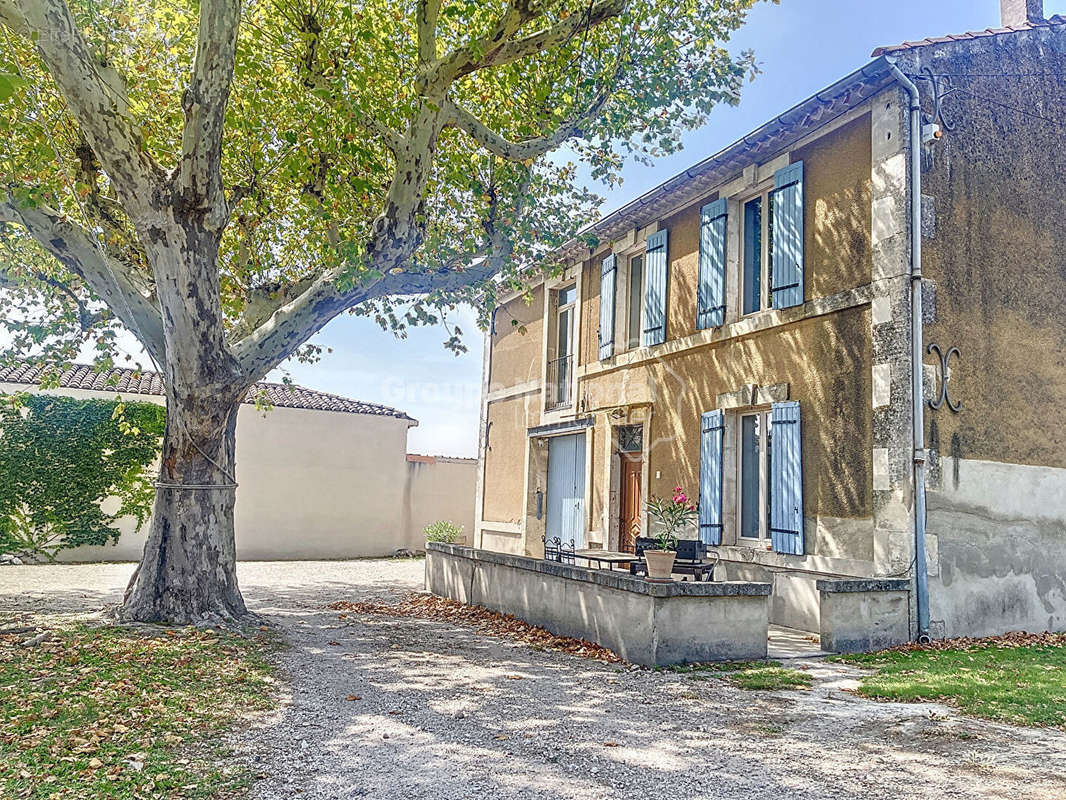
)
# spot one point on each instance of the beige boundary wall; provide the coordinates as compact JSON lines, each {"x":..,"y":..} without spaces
{"x":439,"y":488}
{"x":645,"y":623}
{"x":319,"y":485}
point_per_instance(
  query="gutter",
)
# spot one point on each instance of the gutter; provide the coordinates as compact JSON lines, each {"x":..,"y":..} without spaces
{"x":921,"y":570}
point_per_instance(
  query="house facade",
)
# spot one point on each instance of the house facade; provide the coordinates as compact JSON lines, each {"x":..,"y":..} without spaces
{"x":319,"y":476}
{"x":745,"y":331}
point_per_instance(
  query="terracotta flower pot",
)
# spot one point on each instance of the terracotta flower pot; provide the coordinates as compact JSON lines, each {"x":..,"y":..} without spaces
{"x":660,"y":564}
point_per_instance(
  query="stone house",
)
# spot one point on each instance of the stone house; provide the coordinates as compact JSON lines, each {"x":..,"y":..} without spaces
{"x":746,"y":330}
{"x":319,"y":476}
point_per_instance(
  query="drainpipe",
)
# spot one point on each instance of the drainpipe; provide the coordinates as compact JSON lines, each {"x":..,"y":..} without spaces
{"x":921,"y":573}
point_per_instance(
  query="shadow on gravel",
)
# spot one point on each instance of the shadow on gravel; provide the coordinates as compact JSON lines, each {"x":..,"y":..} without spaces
{"x":439,"y":711}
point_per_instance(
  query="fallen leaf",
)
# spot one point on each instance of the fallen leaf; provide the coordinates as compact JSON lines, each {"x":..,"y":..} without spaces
{"x":353,"y":697}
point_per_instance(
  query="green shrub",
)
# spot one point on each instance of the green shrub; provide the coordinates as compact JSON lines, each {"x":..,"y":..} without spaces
{"x":61,"y":457}
{"x":443,"y":531}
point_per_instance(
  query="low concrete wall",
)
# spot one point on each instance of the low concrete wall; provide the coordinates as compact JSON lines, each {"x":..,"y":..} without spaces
{"x":647,"y":623}
{"x":794,"y":601}
{"x":858,"y":615}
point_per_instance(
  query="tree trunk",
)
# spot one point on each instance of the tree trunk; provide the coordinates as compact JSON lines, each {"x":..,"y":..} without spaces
{"x":188,"y":571}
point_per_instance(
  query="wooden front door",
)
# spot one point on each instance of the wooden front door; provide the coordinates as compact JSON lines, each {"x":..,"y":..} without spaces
{"x":630,"y":502}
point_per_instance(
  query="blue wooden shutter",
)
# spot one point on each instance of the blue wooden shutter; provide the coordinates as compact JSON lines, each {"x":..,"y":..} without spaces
{"x":710,"y":312}
{"x":608,"y":273}
{"x":786,"y":479}
{"x":787,"y":274}
{"x":711,"y":477}
{"x":655,"y":280}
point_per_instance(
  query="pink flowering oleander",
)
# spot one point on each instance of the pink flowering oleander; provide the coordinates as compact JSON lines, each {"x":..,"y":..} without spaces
{"x":672,"y":516}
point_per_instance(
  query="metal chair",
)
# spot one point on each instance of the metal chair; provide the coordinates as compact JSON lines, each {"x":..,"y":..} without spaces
{"x":557,"y":550}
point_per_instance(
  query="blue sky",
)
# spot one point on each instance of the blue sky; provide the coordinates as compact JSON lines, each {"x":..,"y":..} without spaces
{"x":802,"y":46}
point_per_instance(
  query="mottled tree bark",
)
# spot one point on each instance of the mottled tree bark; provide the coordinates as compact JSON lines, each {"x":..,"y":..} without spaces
{"x":188,"y":571}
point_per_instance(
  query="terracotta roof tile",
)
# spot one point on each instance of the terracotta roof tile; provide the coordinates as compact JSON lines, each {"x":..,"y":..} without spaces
{"x":131,"y":381}
{"x":420,"y":458}
{"x":1058,"y":19}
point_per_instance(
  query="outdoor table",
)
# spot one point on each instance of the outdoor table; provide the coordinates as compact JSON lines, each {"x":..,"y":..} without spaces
{"x":609,"y":557}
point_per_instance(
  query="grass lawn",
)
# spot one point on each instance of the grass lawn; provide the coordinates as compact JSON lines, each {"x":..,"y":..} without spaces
{"x":765,"y":675}
{"x":116,"y":713}
{"x":1020,"y":680}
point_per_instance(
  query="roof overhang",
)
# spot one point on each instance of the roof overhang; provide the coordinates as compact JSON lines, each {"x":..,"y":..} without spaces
{"x":761,"y":144}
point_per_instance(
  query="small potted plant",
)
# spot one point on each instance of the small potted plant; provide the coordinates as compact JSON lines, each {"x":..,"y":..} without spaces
{"x":672,"y":515}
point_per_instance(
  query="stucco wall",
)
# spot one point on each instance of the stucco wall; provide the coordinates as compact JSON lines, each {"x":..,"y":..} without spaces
{"x":998,"y":547}
{"x":518,"y":340}
{"x":505,"y":456}
{"x":819,"y":354}
{"x":825,"y":362}
{"x":997,"y":253}
{"x":439,"y":489}
{"x":837,"y":220}
{"x":995,"y":250}
{"x":645,"y":623}
{"x":319,"y":484}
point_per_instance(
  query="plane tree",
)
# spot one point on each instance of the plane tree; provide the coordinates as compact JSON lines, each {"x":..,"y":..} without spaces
{"x":223,"y":178}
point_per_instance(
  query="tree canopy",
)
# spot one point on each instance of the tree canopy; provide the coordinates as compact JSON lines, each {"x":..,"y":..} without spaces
{"x":366,"y":150}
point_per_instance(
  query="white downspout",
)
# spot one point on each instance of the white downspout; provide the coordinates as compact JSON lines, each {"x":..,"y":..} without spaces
{"x":921,"y":572}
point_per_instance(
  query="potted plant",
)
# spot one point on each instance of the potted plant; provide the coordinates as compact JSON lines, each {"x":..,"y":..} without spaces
{"x":672,"y":515}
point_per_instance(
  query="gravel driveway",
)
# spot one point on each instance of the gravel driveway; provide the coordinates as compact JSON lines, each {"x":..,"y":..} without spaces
{"x":444,"y":713}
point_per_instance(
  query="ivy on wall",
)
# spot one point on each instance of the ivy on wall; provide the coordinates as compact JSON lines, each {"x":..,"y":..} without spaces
{"x":61,"y":457}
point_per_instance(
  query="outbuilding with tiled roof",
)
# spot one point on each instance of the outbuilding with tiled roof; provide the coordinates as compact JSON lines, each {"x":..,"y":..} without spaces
{"x":320,"y":476}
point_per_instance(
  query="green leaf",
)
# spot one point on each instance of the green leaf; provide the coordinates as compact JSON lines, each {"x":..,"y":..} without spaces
{"x":9,"y":84}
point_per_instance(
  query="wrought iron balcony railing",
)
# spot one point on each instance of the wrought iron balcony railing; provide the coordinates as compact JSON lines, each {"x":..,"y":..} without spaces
{"x":560,"y":375}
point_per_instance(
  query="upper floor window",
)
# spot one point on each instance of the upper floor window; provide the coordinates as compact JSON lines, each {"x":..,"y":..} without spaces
{"x":771,"y":244}
{"x":757,"y":254}
{"x":561,"y":368}
{"x":635,"y":301}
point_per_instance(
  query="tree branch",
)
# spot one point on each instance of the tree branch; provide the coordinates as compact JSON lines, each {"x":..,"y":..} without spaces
{"x":97,"y":106}
{"x":439,"y":74}
{"x":396,"y":142}
{"x":86,"y":318}
{"x":500,"y":48}
{"x":524,"y":149}
{"x":296,"y":322}
{"x":199,"y":175}
{"x":427,"y":14}
{"x":107,"y":277}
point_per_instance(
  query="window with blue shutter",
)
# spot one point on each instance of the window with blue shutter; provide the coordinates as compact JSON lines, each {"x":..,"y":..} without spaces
{"x":787,"y":253}
{"x":710,"y":511}
{"x":786,"y":479}
{"x":710,"y":312}
{"x":608,"y":274}
{"x":656,"y":271}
